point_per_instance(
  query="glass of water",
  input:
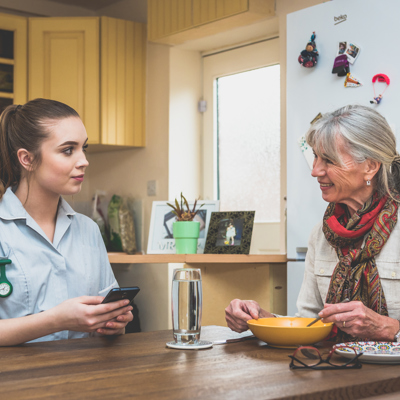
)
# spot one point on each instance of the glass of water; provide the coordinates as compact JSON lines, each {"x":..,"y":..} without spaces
{"x":187,"y":301}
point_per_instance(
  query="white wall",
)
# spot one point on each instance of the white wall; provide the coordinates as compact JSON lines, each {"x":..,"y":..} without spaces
{"x":185,"y":123}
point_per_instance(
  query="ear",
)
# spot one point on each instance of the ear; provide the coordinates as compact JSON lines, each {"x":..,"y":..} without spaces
{"x":371,"y":168}
{"x":25,"y":159}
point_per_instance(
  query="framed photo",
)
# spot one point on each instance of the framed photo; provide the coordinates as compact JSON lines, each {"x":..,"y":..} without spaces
{"x":161,"y":240}
{"x":230,"y":232}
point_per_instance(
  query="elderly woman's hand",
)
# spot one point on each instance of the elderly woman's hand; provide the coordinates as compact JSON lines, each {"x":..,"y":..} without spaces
{"x":240,"y":311}
{"x":360,"y":321}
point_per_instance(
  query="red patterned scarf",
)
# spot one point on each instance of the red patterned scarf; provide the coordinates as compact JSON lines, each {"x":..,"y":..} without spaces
{"x":356,"y":276}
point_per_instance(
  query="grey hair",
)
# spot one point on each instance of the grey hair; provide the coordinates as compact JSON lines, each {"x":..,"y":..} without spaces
{"x":367,"y":136}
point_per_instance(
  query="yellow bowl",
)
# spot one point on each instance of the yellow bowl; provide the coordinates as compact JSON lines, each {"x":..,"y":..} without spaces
{"x":289,"y":332}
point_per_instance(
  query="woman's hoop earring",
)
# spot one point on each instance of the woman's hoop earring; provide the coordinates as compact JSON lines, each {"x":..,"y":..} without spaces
{"x":368,"y":182}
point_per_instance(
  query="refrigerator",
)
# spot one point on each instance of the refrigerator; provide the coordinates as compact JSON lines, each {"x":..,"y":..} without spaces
{"x":373,"y":27}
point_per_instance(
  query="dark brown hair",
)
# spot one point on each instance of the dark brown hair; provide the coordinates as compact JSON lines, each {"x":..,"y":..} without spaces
{"x":26,"y":127}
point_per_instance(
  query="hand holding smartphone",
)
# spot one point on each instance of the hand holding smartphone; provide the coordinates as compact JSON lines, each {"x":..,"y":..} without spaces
{"x":122,"y":293}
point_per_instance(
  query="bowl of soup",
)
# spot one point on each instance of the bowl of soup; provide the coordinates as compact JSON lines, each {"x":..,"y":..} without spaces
{"x":289,"y":331}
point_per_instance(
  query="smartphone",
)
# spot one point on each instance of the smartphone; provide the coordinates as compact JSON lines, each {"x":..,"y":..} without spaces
{"x":121,"y":293}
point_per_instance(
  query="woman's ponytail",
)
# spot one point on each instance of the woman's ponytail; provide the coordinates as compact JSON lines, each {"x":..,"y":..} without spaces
{"x":9,"y":167}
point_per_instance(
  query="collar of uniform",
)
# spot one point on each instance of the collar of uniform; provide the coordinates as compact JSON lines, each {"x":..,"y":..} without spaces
{"x":11,"y":208}
{"x":65,"y":208}
{"x":63,"y":221}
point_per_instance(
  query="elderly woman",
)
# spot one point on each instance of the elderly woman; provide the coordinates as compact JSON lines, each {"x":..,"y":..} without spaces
{"x":357,"y":243}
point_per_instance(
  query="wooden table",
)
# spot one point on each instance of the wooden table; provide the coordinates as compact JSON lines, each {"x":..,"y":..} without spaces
{"x":140,"y":366}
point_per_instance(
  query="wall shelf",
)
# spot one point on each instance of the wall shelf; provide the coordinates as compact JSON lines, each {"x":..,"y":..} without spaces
{"x":123,"y":258}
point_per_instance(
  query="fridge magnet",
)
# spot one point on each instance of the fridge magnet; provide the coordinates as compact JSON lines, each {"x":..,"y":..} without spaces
{"x":341,"y":65}
{"x":351,"y":81}
{"x":352,"y":52}
{"x":342,"y":48}
{"x":230,"y":232}
{"x":308,"y":57}
{"x":161,"y":240}
{"x":380,"y":78}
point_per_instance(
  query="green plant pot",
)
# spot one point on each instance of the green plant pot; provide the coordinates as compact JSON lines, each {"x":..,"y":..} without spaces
{"x":186,"y":234}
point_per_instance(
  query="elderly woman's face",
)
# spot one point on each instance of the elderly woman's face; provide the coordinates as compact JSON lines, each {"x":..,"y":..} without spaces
{"x":342,"y":183}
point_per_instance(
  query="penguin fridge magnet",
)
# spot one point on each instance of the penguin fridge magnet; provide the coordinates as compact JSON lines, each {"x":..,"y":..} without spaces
{"x":308,"y":57}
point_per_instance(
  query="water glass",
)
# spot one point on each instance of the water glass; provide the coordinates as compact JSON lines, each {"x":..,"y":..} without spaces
{"x":187,"y":299}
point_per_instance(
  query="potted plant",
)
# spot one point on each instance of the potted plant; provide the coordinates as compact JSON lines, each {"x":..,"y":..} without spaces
{"x":185,"y":230}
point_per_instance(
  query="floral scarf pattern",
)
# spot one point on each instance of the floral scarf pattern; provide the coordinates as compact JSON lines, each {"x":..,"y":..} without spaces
{"x":356,"y":276}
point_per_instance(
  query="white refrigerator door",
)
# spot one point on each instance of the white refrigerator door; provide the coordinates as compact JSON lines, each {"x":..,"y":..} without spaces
{"x":295,"y":275}
{"x":374,"y":26}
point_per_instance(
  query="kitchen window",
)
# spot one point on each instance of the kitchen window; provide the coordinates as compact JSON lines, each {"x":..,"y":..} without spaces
{"x":241,"y":136}
{"x":248,"y":142}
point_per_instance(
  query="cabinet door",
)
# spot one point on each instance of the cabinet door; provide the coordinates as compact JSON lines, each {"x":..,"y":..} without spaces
{"x":205,"y":11}
{"x":123,"y":66}
{"x":166,"y":17}
{"x":13,"y":60}
{"x":175,"y":22}
{"x":64,"y":66}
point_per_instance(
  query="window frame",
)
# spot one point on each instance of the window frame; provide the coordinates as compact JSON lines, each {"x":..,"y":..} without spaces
{"x":266,"y":237}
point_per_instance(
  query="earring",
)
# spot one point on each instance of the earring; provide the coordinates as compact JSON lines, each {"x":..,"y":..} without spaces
{"x":368,"y":182}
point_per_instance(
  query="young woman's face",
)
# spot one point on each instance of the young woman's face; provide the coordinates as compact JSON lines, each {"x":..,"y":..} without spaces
{"x":63,"y":164}
{"x":342,"y":183}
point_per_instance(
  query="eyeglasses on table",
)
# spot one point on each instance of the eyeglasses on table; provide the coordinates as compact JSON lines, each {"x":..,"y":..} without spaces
{"x":310,"y":357}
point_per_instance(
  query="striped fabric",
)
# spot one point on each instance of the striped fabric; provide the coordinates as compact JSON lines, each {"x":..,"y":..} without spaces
{"x":356,"y":276}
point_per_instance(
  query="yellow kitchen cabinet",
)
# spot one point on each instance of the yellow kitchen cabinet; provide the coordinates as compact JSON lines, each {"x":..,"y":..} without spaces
{"x":212,"y":10}
{"x":177,"y":21}
{"x":13,"y":60}
{"x":123,"y":82}
{"x":97,"y":66}
{"x":167,"y":17}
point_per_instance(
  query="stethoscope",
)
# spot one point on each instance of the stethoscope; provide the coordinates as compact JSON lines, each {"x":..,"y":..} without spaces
{"x":5,"y":285}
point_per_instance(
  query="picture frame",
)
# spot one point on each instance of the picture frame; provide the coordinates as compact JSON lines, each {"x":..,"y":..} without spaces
{"x":230,"y":232}
{"x":161,"y":240}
